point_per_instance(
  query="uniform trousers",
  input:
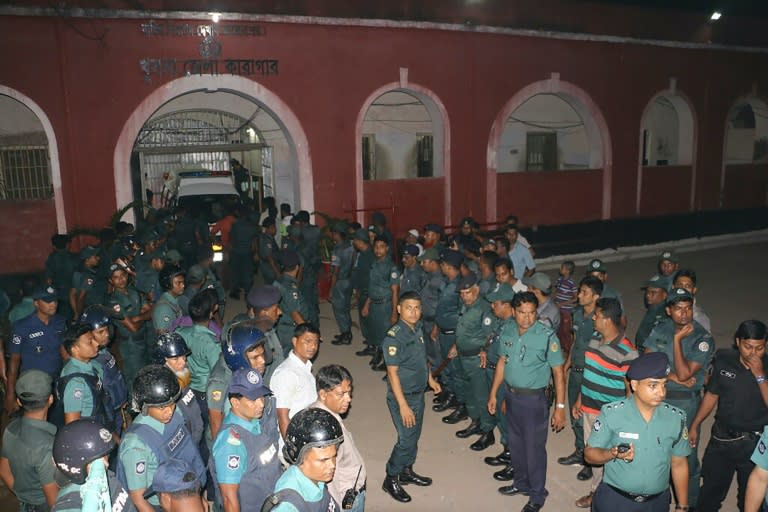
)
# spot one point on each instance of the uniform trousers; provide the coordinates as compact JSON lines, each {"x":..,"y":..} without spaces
{"x":575,"y":378}
{"x":407,"y":445}
{"x":473,"y":384}
{"x":606,"y":499}
{"x":527,"y":429}
{"x":690,"y":406}
{"x":446,"y":341}
{"x":722,"y":458}
{"x":363,"y":321}
{"x":499,"y":419}
{"x":341,"y":299}
{"x":379,"y":321}
{"x":241,"y":265}
{"x":433,"y":347}
{"x":134,"y":355}
{"x":309,"y":293}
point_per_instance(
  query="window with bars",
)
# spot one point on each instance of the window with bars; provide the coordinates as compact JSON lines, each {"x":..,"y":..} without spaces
{"x":369,"y":157}
{"x":424,"y":155}
{"x":541,"y":151}
{"x":25,"y":173}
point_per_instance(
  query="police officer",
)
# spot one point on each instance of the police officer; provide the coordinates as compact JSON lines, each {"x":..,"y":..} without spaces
{"x":292,"y":302}
{"x":167,"y":308}
{"x":26,"y":466}
{"x":486,"y":264}
{"x":737,"y":386}
{"x":474,"y":328}
{"x":83,"y":288}
{"x":757,"y":499}
{"x":177,"y":487}
{"x":268,"y":251}
{"x":689,"y":348}
{"x":80,"y":453}
{"x":444,"y":331}
{"x":59,"y":268}
{"x":205,"y":260}
{"x":245,"y":463}
{"x":381,"y":305}
{"x":311,"y":440}
{"x":655,"y":299}
{"x":264,"y":306}
{"x":407,"y":377}
{"x":531,"y":355}
{"x":157,"y":434}
{"x":430,"y":294}
{"x":243,"y":238}
{"x":309,"y":250}
{"x":639,"y":439}
{"x":598,"y":269}
{"x":413,"y":277}
{"x":341,"y":287}
{"x":361,"y":274}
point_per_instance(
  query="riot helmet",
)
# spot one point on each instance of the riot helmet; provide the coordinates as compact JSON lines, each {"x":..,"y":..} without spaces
{"x":242,"y":337}
{"x":155,"y":386}
{"x":97,"y":316}
{"x":170,"y":344}
{"x":310,"y":428}
{"x":167,"y":275}
{"x":79,"y":443}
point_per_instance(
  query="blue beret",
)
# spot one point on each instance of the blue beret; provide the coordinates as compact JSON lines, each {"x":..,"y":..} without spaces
{"x":261,"y":297}
{"x":411,"y":249}
{"x":467,"y":282}
{"x":653,"y":365}
{"x":453,"y":258}
{"x":289,"y":258}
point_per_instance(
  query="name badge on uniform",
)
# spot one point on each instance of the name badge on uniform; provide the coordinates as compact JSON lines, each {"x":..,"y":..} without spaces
{"x":268,"y":454}
{"x":629,"y":435}
{"x":726,"y":373}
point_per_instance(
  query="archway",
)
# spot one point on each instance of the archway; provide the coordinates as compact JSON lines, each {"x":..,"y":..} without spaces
{"x":744,"y":180}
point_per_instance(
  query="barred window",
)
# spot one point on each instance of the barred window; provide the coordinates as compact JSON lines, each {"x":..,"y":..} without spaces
{"x":25,"y":173}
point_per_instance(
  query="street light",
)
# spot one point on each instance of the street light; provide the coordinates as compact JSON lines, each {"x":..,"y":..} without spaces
{"x":716,"y":15}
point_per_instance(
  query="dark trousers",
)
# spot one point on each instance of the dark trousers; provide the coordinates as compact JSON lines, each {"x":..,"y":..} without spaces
{"x":690,"y":406}
{"x":606,"y":499}
{"x":473,"y":382}
{"x":241,"y":266}
{"x":407,"y":445}
{"x":309,"y":293}
{"x":574,"y":387}
{"x":449,"y":373}
{"x":433,"y":347}
{"x":722,"y":459}
{"x":341,"y":298}
{"x":499,"y":419}
{"x":527,"y":430}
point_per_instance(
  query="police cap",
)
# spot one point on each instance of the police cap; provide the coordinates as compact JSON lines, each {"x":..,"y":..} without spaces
{"x":261,"y":297}
{"x":653,"y":365}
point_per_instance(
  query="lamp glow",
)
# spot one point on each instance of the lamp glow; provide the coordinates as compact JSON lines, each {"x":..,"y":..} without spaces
{"x":716,"y":16}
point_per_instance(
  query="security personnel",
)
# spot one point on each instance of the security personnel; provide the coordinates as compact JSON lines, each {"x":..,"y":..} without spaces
{"x":167,"y":307}
{"x":486,"y":264}
{"x":205,"y":260}
{"x":148,"y":279}
{"x":292,"y":302}
{"x":381,"y":305}
{"x":689,"y":348}
{"x":243,"y":238}
{"x":80,"y":451}
{"x":245,"y":463}
{"x":446,"y":318}
{"x":531,"y":355}
{"x":99,"y":319}
{"x":311,"y":440}
{"x":342,"y":259}
{"x":405,"y":355}
{"x":26,"y":466}
{"x":639,"y":439}
{"x":655,"y":298}
{"x":598,"y":269}
{"x":590,"y":290}
{"x":757,"y":499}
{"x":737,"y":386}
{"x":413,"y":277}
{"x":35,"y":342}
{"x":473,"y":330}
{"x":361,"y":274}
{"x":264,"y":307}
{"x":430,"y":294}
{"x":268,"y":251}
{"x":157,"y":434}
{"x":59,"y":268}
{"x":309,"y":250}
{"x":131,"y":313}
{"x":177,"y":487}
{"x":84,"y":286}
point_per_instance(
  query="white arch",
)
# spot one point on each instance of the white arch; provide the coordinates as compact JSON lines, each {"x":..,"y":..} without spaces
{"x":686,"y":146}
{"x":53,"y":153}
{"x":761,"y":127}
{"x":600,"y":154}
{"x":440,"y":128}
{"x":232,"y":83}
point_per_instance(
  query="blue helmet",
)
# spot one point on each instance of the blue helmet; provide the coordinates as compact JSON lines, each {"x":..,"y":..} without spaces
{"x":170,"y":344}
{"x":96,"y":316}
{"x":239,"y":338}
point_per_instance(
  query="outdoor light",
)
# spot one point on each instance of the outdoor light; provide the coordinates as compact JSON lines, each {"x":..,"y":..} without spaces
{"x":215,"y":16}
{"x":716,"y":16}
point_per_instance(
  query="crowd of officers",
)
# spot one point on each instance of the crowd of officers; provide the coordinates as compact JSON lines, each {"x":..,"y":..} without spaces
{"x":198,"y":413}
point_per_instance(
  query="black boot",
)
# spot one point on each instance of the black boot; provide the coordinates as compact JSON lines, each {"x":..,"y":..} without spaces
{"x":585,"y":473}
{"x":501,"y":459}
{"x":486,"y":440}
{"x":448,"y":403}
{"x":378,"y":357}
{"x":472,"y":429}
{"x":456,"y":416}
{"x":505,"y":475}
{"x":408,"y":476}
{"x":344,"y":338}
{"x":367,"y":350}
{"x":380,"y":366}
{"x":574,"y":459}
{"x":392,"y":487}
{"x":441,"y":396}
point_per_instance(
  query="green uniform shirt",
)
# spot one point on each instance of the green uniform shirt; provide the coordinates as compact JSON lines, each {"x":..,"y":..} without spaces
{"x":759,"y":456}
{"x":698,"y":347}
{"x":655,"y":442}
{"x":404,"y":347}
{"x":474,"y":327}
{"x":494,"y":343}
{"x":124,"y":305}
{"x":217,"y":386}
{"x":361,"y":272}
{"x":529,"y":357}
{"x":77,"y":396}
{"x":653,"y":315}
{"x":24,"y":308}
{"x":166,"y":310}
{"x":448,"y":306}
{"x":294,"y":479}
{"x":205,"y":352}
{"x":28,"y":446}
{"x":273,"y":345}
{"x":583,"y":332}
{"x":382,"y":277}
{"x":292,"y":301}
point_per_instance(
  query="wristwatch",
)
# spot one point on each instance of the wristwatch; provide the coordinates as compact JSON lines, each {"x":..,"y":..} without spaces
{"x":560,"y":406}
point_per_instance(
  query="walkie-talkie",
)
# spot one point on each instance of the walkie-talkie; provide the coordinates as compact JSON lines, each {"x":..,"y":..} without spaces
{"x":351,"y":494}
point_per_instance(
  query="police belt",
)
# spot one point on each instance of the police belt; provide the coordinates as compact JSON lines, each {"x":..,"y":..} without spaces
{"x":524,"y":391}
{"x":380,"y":300}
{"x":682,"y":395}
{"x":637,"y":498}
{"x":447,"y":331}
{"x":470,"y":353}
{"x":577,"y":369}
{"x":720,"y":433}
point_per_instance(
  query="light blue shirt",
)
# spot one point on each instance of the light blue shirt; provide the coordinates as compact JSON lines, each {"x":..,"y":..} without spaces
{"x":521,"y":258}
{"x":229,"y":453}
{"x":294,"y":479}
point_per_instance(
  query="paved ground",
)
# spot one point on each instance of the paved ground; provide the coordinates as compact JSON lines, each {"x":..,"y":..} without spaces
{"x":729,"y":285}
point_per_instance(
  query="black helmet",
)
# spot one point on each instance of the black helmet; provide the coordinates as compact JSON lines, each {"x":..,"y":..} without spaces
{"x":97,"y":316}
{"x":242,"y":337}
{"x":310,"y":428}
{"x":79,"y":443}
{"x":170,"y":344}
{"x":154,"y":386}
{"x":167,"y":275}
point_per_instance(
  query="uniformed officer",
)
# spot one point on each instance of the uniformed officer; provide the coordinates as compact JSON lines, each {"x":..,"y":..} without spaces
{"x":80,"y":453}
{"x":132,"y":313}
{"x":157,"y":434}
{"x":598,"y":269}
{"x":245,"y":463}
{"x":531,"y":355}
{"x":311,"y":440}
{"x":341,"y":286}
{"x":590,"y":290}
{"x":309,"y":250}
{"x":167,"y":308}
{"x":381,"y":305}
{"x":407,"y":377}
{"x":446,"y":318}
{"x":25,"y":465}
{"x":430,"y":294}
{"x":655,"y":299}
{"x":638,"y":440}
{"x":59,"y":268}
{"x":268,"y":251}
{"x":35,"y":342}
{"x":689,"y":348}
{"x":757,"y":499}
{"x":486,"y":276}
{"x":177,"y":487}
{"x":82,"y":292}
{"x":432,"y":235}
{"x":413,"y":277}
{"x":736,"y":386}
{"x":292,"y":302}
{"x":668,"y":264}
{"x":243,"y":238}
{"x":205,"y":260}
{"x":361,"y":273}
{"x":264,"y":306}
{"x":473,"y":330}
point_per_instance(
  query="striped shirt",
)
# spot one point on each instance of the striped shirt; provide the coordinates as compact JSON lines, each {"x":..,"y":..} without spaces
{"x":565,"y":292}
{"x":605,"y":371}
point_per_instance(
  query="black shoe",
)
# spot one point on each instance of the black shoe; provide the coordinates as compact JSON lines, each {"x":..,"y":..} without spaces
{"x":368,"y":350}
{"x":381,"y":367}
{"x":377,"y":358}
{"x":585,"y":473}
{"x":501,"y":459}
{"x":456,"y":416}
{"x":505,"y":475}
{"x":391,"y":486}
{"x":486,"y":440}
{"x":472,"y":429}
{"x":532,"y":507}
{"x":574,"y":459}
{"x":441,"y":397}
{"x":344,"y":338}
{"x":447,"y":404}
{"x":511,"y":490}
{"x":408,"y":476}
